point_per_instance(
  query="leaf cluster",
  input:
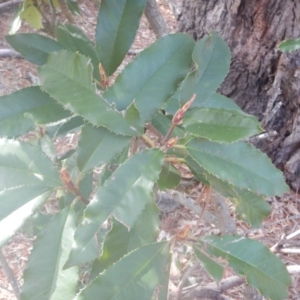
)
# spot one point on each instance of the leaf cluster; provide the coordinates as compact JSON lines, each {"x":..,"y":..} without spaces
{"x":111,"y":223}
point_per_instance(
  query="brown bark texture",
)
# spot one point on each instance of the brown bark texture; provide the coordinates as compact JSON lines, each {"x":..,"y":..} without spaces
{"x":262,"y":80}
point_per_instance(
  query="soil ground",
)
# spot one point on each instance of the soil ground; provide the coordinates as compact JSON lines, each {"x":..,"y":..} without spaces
{"x":17,"y":73}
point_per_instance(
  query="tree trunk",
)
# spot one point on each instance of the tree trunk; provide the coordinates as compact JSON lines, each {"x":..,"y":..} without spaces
{"x":262,"y":80}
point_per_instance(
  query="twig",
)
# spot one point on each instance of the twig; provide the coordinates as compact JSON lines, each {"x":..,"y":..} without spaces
{"x":207,"y":191}
{"x":65,"y":11}
{"x":185,"y":277}
{"x":53,"y":15}
{"x":134,"y":51}
{"x":148,"y":141}
{"x":172,"y":127}
{"x":292,"y":235}
{"x":174,"y":160}
{"x":134,"y":145}
{"x":152,"y":129}
{"x":213,"y":291}
{"x":293,"y":269}
{"x":290,"y":250}
{"x":10,"y":276}
{"x":10,"y":53}
{"x":281,"y":220}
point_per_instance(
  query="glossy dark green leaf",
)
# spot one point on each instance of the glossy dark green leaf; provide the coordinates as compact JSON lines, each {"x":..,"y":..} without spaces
{"x":34,"y":47}
{"x":17,"y":205}
{"x":239,"y":164}
{"x":136,"y":275}
{"x":118,"y":21}
{"x":214,"y":268}
{"x":44,"y":277}
{"x":73,"y":7}
{"x":24,"y":164}
{"x":98,"y":146}
{"x":67,"y":77}
{"x":71,"y":125}
{"x":153,"y":76}
{"x":132,"y":116}
{"x":251,"y":207}
{"x":119,"y":241}
{"x":289,"y":45}
{"x":221,"y":125}
{"x":23,"y":110}
{"x":162,"y":291}
{"x":169,"y":177}
{"x":219,"y":101}
{"x":211,"y":57}
{"x":74,"y":39}
{"x":124,"y":195}
{"x":263,"y":269}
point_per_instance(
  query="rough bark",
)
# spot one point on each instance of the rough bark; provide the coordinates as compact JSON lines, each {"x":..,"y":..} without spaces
{"x":262,"y":80}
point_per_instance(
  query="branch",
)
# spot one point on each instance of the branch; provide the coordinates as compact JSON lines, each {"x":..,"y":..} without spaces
{"x":155,"y":18}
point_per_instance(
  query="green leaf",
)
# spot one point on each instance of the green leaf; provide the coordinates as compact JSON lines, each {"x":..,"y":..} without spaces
{"x":289,"y":45}
{"x":119,"y":241}
{"x":135,"y":275}
{"x":74,"y":39}
{"x":46,"y":144}
{"x":17,"y":205}
{"x":132,"y":116}
{"x":216,"y":100}
{"x":23,"y":164}
{"x":71,"y":125}
{"x":213,"y":267}
{"x":263,"y":270}
{"x":33,"y":47}
{"x":117,"y":24}
{"x":73,"y":7}
{"x":124,"y":195}
{"x":153,"y":76}
{"x":221,"y":125}
{"x":219,"y":101}
{"x":163,"y":287}
{"x":23,"y":110}
{"x":211,"y":57}
{"x":169,"y":177}
{"x":239,"y":164}
{"x":98,"y":146}
{"x":67,"y":77}
{"x":43,"y":276}
{"x":36,"y":223}
{"x":251,"y":207}
{"x":31,"y":14}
